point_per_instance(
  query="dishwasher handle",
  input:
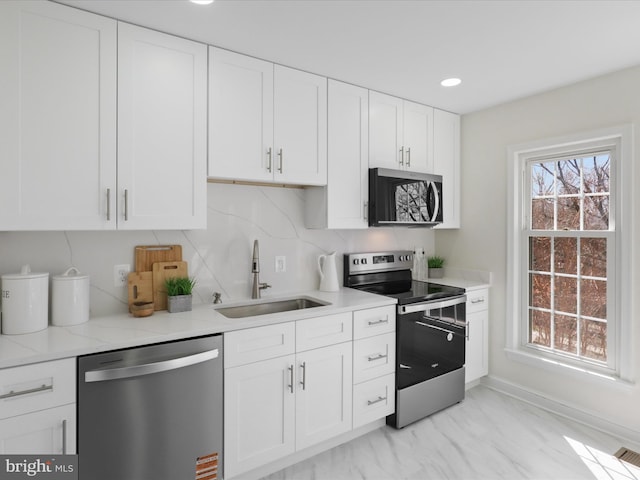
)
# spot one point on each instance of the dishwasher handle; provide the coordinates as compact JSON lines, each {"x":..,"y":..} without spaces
{"x":149,"y":368}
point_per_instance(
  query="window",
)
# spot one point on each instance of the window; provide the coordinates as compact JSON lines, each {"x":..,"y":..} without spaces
{"x":569,"y":286}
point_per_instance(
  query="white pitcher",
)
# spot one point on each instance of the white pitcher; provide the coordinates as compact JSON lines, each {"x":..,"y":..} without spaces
{"x":328,"y":273}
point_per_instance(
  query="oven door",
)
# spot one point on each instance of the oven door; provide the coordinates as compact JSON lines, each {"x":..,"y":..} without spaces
{"x":431,"y":341}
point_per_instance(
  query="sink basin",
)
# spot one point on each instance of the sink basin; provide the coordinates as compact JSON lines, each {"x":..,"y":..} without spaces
{"x":277,"y":306}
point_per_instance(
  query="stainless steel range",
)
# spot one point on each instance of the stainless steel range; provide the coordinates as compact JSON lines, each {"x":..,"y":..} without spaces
{"x":431,"y":331}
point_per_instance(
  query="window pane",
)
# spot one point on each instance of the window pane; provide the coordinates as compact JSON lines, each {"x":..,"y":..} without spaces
{"x":593,"y":339}
{"x":596,"y":213}
{"x":593,"y":257}
{"x":566,"y":255}
{"x":566,"y":333}
{"x":569,"y":213}
{"x":540,"y":328}
{"x":596,"y":173}
{"x":542,"y":179}
{"x":593,"y":298}
{"x":566,"y":294}
{"x":542,"y":214}
{"x":540,"y":254}
{"x":568,"y":176}
{"x":540,"y":295}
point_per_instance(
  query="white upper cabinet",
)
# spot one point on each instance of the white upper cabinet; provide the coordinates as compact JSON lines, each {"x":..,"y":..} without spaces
{"x":58,"y":117}
{"x":400,"y":133}
{"x":162,"y":130}
{"x":240,"y":117}
{"x":446,"y":158}
{"x":343,"y":202}
{"x":267,"y":123}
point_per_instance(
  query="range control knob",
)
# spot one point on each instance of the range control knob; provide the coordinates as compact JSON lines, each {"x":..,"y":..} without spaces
{"x":364,"y":261}
{"x":356,"y":261}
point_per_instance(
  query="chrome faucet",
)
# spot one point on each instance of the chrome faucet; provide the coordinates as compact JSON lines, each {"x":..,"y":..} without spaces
{"x":255,"y":270}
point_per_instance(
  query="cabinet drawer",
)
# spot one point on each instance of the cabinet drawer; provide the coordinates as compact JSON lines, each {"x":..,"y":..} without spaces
{"x":374,"y":357}
{"x":373,"y":400}
{"x":374,"y":321}
{"x":260,"y":343}
{"x":38,"y":386}
{"x":477,"y":300}
{"x":323,"y":331}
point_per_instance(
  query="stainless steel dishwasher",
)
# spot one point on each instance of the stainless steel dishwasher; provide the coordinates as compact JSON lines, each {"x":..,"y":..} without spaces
{"x":152,"y":413}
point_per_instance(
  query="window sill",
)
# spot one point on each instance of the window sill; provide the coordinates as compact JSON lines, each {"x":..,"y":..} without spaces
{"x":576,"y":372}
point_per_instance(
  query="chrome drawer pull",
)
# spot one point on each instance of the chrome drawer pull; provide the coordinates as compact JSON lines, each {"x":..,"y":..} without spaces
{"x":378,"y":356}
{"x":377,"y":400}
{"x":378,"y":322}
{"x":478,"y":300}
{"x":13,"y":393}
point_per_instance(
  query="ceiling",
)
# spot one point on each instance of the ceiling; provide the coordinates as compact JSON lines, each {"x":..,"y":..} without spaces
{"x":501,"y":49}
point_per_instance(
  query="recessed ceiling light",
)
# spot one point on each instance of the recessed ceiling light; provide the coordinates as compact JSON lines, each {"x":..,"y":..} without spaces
{"x":202,"y":2}
{"x":450,"y":82}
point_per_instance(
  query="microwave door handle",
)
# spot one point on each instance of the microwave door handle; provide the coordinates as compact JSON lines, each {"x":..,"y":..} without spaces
{"x":435,"y":207}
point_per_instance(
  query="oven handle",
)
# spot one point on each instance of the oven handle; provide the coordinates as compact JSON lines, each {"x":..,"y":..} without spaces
{"x":435,"y":327}
{"x":424,"y":306}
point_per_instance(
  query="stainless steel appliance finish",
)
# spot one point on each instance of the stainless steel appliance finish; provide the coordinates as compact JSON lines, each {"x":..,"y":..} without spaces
{"x":256,"y":286}
{"x":430,"y":332}
{"x":404,"y":198}
{"x":151,"y":413}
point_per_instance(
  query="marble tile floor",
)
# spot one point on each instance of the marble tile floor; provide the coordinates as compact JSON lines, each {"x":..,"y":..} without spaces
{"x":487,"y":436}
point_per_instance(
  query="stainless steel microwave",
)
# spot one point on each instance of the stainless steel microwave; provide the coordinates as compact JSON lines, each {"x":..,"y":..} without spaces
{"x":404,"y":198}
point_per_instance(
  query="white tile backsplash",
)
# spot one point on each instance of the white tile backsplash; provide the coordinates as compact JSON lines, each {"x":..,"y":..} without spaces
{"x":219,"y":257}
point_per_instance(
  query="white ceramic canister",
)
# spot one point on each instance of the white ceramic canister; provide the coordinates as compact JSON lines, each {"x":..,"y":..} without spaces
{"x":69,"y":298}
{"x":25,"y":302}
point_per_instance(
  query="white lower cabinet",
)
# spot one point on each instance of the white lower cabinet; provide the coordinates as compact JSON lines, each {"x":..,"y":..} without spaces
{"x":37,"y":409}
{"x":477,"y":358}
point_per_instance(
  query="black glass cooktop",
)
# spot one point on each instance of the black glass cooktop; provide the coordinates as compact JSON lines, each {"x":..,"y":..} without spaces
{"x":413,"y":291}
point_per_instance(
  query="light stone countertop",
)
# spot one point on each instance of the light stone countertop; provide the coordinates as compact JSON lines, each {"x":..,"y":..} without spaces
{"x":125,"y":331}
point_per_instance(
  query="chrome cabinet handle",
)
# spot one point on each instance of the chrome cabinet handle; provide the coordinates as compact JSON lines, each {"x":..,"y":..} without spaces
{"x":304,"y":375}
{"x":148,"y":368}
{"x":281,"y":159}
{"x":378,"y":322}
{"x":408,"y":157}
{"x":64,"y":437}
{"x":126,"y":204}
{"x":365,"y":215}
{"x":269,"y":158}
{"x":377,"y":400}
{"x":19,"y":393}
{"x":377,"y":356}
{"x":401,"y":161}
{"x":478,"y":300}
{"x":108,"y":204}
{"x":290,"y":386}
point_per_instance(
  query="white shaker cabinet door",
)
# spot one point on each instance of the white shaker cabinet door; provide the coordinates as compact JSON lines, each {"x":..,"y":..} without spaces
{"x":162,"y":130}
{"x":418,"y":137}
{"x":58,"y":117}
{"x":446,"y":159}
{"x":240,"y":117}
{"x":385,"y":130}
{"x":300,"y":127}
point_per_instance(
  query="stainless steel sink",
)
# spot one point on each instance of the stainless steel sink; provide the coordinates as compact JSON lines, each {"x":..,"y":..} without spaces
{"x":264,"y":308}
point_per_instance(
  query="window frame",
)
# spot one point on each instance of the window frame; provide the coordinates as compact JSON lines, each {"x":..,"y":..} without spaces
{"x":619,"y":141}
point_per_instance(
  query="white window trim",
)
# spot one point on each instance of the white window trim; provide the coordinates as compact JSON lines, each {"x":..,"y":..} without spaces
{"x":622,"y":200}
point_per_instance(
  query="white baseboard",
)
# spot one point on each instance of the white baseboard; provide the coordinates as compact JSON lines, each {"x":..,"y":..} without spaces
{"x":563,"y":409}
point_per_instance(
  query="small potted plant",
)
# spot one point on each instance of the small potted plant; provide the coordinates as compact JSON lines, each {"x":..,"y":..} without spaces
{"x":179,"y":293}
{"x":435,"y":264}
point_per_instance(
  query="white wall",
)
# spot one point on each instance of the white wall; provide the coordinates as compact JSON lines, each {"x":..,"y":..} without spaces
{"x":219,"y":257}
{"x":481,"y":243}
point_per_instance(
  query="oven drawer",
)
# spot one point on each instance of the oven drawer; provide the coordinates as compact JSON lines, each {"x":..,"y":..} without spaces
{"x":374,"y":321}
{"x":373,"y":400}
{"x":374,"y":357}
{"x":477,"y":300}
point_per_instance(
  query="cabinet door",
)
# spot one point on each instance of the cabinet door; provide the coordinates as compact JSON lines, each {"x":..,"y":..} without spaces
{"x":385,"y":130}
{"x":477,"y":357}
{"x":58,"y":117}
{"x":324,"y":394}
{"x":446,"y":162}
{"x":259,"y":423}
{"x":45,"y":432}
{"x":300,"y":127}
{"x":418,"y":137}
{"x":240,"y":116}
{"x":162,"y":126}
{"x":348,"y":156}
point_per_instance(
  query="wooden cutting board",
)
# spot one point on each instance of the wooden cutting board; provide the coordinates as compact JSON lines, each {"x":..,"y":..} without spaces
{"x":162,"y":271}
{"x":140,"y":287}
{"x":147,"y":255}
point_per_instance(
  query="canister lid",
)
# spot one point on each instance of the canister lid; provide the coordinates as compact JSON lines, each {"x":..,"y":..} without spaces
{"x":25,"y":274}
{"x":72,"y":273}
